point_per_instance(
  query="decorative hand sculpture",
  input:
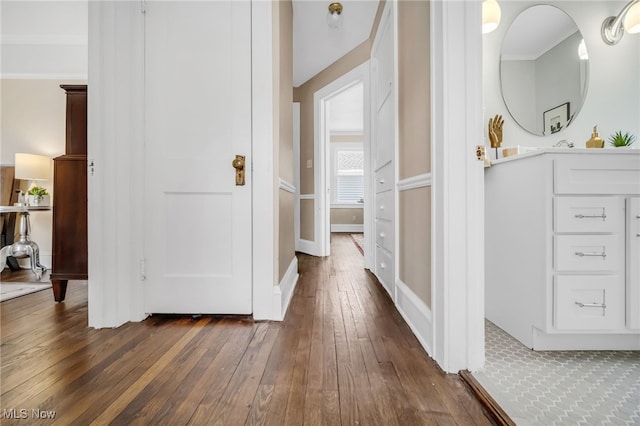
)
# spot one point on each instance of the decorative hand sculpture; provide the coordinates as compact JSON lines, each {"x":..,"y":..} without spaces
{"x":495,"y":131}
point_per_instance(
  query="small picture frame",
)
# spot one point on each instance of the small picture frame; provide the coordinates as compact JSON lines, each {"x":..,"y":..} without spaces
{"x":556,"y":119}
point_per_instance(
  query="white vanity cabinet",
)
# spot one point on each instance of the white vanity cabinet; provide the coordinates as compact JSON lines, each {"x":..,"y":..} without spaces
{"x":562,"y":248}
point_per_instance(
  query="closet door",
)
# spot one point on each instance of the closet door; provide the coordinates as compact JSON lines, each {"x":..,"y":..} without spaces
{"x":197,"y":237}
{"x":384,"y":111}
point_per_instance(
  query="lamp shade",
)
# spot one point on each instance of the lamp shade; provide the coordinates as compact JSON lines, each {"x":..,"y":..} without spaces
{"x":632,"y":19}
{"x":491,"y":15}
{"x":32,"y":167}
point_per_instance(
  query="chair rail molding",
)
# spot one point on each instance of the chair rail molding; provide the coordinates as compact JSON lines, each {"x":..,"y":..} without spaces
{"x":286,"y":186}
{"x":414,"y":182}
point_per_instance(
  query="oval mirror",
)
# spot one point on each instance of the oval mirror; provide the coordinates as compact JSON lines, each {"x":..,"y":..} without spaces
{"x":544,"y":70}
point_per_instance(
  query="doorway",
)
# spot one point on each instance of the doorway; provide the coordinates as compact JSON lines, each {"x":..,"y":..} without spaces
{"x":343,"y":158}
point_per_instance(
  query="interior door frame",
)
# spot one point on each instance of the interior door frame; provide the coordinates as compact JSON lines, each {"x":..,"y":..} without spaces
{"x":457,"y":215}
{"x":322,"y":155}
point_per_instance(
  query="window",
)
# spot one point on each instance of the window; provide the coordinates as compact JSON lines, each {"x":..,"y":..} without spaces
{"x":348,"y":174}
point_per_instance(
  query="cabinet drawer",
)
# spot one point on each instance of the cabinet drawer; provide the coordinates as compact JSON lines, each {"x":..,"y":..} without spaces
{"x":384,"y":205}
{"x":588,"y":214}
{"x":384,"y":267}
{"x":384,"y":234}
{"x":384,"y":178}
{"x":589,"y":302}
{"x":589,"y":253}
{"x":619,"y":174}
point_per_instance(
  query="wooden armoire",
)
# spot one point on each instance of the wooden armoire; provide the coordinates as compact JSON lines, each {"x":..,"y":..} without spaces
{"x":70,"y":252}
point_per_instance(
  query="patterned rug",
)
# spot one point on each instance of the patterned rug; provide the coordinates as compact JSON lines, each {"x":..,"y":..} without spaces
{"x":550,"y":388}
{"x":13,"y":290}
{"x":358,"y":240}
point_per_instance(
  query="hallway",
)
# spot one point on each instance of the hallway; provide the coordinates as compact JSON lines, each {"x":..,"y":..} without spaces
{"x":343,"y":355}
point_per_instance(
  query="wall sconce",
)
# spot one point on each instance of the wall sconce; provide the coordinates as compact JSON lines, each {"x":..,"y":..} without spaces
{"x":32,"y":167}
{"x":334,"y":17}
{"x":627,"y":20}
{"x":491,"y":15}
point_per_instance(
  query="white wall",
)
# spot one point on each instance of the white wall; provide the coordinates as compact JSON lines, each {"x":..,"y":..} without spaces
{"x":613,"y":95}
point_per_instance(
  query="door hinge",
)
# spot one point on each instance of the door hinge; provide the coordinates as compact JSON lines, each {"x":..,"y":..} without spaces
{"x":91,"y":166}
{"x":143,"y":6}
{"x":143,"y":266}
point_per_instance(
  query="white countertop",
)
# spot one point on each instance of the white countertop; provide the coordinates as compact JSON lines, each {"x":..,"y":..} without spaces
{"x":589,"y":151}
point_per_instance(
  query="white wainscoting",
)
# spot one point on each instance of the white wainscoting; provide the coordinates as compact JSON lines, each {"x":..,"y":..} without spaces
{"x":417,"y":315}
{"x":347,"y":227}
{"x":283,"y":292}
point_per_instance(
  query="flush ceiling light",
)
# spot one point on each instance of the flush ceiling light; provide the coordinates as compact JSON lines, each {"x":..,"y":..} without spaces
{"x":627,"y":20}
{"x":490,"y":15}
{"x":334,"y":17}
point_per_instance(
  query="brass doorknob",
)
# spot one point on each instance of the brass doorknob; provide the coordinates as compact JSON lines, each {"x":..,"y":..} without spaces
{"x":238,"y":164}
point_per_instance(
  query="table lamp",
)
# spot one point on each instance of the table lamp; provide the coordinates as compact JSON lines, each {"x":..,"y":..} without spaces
{"x":32,"y":167}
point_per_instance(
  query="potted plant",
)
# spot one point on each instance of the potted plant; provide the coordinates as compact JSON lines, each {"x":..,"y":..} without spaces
{"x":618,"y":139}
{"x":38,"y":196}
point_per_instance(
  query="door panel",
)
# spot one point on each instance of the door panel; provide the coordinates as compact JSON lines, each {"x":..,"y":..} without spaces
{"x":198,"y":117}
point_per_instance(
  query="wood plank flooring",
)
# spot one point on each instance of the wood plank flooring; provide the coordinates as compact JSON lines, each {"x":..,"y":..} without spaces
{"x":343,"y":356}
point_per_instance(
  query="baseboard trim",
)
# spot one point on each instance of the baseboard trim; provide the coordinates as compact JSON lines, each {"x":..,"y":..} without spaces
{"x":490,"y":405}
{"x":347,"y":227}
{"x":283,"y":292}
{"x":417,"y":315}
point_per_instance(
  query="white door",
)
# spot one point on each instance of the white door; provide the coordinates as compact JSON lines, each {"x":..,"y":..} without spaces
{"x":197,"y":239}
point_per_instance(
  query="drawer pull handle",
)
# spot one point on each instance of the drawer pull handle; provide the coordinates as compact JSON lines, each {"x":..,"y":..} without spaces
{"x":382,"y":207}
{"x":382,"y":235}
{"x":382,"y":181}
{"x":583,"y":254}
{"x":591,"y":305}
{"x":602,"y":216}
{"x":638,"y":216}
{"x":382,"y":265}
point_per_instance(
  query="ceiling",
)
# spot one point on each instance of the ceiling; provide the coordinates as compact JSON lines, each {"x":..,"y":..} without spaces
{"x":44,"y":39}
{"x":346,"y":110}
{"x":49,"y":38}
{"x":315,"y":45}
{"x":526,"y":41}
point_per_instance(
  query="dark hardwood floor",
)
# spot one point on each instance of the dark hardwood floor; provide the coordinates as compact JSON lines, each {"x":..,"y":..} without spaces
{"x":343,"y":355}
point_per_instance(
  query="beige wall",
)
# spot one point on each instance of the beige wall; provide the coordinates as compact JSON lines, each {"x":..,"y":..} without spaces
{"x":283,"y":130}
{"x":414,"y":146}
{"x":347,"y":216}
{"x":33,"y":121}
{"x":347,"y":138}
{"x":413,"y":88}
{"x":415,"y":241}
